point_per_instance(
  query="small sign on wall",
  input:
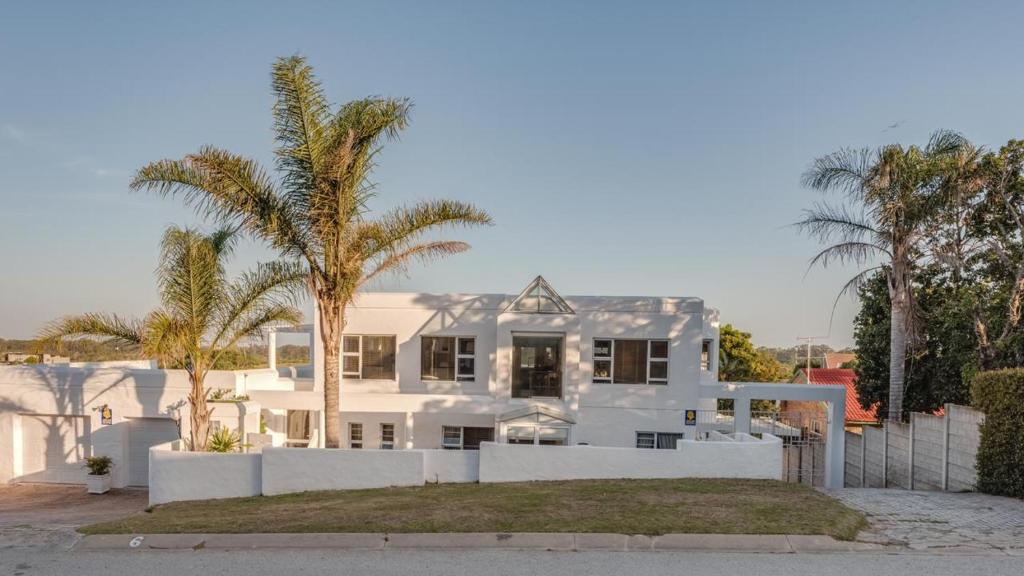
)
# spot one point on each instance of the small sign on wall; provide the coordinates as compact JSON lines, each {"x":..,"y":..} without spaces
{"x":690,"y":418}
{"x":106,"y":415}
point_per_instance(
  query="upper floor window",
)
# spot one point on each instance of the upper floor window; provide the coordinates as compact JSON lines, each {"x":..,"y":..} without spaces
{"x":368,"y":357}
{"x":537,"y":366}
{"x":706,"y":348}
{"x":448,"y":358}
{"x":630,"y":361}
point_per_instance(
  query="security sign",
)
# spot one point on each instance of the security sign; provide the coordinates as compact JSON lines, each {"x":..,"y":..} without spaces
{"x":690,"y":418}
{"x":106,"y":415}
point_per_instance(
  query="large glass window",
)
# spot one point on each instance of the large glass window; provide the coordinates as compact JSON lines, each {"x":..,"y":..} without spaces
{"x":368,"y":357}
{"x":630,"y":361}
{"x":536,"y":366}
{"x":447,"y":358}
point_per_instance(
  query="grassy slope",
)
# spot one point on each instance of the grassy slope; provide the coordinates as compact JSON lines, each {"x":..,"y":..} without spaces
{"x":618,"y":506}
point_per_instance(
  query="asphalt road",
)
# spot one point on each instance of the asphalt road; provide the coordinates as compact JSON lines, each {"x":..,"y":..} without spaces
{"x":27,"y":562}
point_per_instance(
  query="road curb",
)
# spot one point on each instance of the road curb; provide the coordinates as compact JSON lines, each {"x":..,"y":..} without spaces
{"x":757,"y":543}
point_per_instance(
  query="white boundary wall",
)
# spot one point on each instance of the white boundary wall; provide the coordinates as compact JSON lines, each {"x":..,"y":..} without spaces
{"x":175,"y":476}
{"x":451,"y":466}
{"x":745,"y":457}
{"x":287,"y":470}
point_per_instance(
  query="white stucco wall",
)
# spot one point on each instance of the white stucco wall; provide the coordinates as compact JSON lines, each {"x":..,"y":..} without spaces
{"x":176,"y":476}
{"x":287,"y":470}
{"x":455,"y":466}
{"x":741,"y":459}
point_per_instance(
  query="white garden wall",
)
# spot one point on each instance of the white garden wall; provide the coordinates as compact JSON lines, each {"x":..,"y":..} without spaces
{"x":744,"y":458}
{"x":175,"y":476}
{"x":288,"y":470}
{"x":451,"y":466}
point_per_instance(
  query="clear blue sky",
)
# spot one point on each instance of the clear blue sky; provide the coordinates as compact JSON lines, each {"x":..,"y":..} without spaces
{"x":623,"y":148}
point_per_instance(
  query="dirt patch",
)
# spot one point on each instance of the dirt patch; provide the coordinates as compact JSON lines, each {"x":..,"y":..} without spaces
{"x":57,"y":506}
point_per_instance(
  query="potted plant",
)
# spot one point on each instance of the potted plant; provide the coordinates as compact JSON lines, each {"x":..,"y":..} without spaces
{"x":98,"y":478}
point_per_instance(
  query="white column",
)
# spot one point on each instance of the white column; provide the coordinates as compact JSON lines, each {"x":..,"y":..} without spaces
{"x":741,"y":414}
{"x":835,"y":445}
{"x":408,"y":431}
{"x":272,"y":350}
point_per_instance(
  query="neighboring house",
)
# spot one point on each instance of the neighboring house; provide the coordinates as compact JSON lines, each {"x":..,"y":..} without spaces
{"x":837,"y":359}
{"x":419,"y":371}
{"x":856,"y":416}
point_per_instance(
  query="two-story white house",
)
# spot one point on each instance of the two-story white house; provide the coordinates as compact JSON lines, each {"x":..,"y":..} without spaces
{"x":452,"y":370}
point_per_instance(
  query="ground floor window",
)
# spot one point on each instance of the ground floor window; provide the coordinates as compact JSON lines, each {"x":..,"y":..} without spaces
{"x":540,"y":435}
{"x":387,"y":436}
{"x":298,"y":429}
{"x":465,"y":437}
{"x":660,"y":440}
{"x":355,"y":435}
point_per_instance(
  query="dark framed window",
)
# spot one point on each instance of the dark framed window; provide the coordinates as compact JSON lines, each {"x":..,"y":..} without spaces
{"x":368,"y":357}
{"x":623,"y":361}
{"x":705,"y":354}
{"x":355,"y":435}
{"x":447,"y":358}
{"x":537,"y":366}
{"x":387,"y":436}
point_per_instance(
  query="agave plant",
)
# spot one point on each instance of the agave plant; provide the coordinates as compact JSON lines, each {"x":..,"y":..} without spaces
{"x":224,"y":440}
{"x":316,"y":212}
{"x":202,"y":312}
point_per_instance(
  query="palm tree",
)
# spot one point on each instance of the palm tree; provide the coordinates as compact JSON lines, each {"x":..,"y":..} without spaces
{"x":202,"y":314}
{"x":897,"y":192}
{"x":317,"y":211}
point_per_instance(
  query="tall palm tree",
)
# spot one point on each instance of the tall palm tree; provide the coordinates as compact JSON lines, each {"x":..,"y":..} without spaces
{"x":896,"y":192}
{"x":202,"y":314}
{"x":317,"y":211}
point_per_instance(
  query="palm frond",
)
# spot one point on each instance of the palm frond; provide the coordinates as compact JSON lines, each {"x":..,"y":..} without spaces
{"x":946,"y":142}
{"x":253,"y":325}
{"x":108,"y":327}
{"x":190,"y":276}
{"x":301,"y":116}
{"x":427,"y":252}
{"x":847,"y":170}
{"x":825,"y":222}
{"x":168,"y":338}
{"x":847,"y":253}
{"x":394,"y":230}
{"x":273,"y":283}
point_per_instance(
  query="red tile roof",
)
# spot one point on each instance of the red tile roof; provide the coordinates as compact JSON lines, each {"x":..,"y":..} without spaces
{"x":845,"y":377}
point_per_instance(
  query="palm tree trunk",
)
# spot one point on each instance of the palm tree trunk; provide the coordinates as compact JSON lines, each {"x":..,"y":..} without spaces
{"x":331,"y":319}
{"x":200,"y":414}
{"x":897,"y":360}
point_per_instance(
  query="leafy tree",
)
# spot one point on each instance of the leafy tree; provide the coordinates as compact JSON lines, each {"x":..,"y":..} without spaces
{"x":940,"y":369}
{"x":203,"y":315}
{"x":739,"y":361}
{"x":317,"y":211}
{"x":895,"y":192}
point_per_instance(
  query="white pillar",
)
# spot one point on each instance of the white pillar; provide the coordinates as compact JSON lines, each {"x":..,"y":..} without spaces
{"x":408,"y":430}
{"x":835,"y":445}
{"x":741,"y":414}
{"x":272,"y":350}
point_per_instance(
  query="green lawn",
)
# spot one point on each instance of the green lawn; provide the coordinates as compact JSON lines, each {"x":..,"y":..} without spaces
{"x":618,"y":506}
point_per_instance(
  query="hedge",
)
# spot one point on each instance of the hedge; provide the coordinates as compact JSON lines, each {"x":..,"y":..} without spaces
{"x":1000,"y":395}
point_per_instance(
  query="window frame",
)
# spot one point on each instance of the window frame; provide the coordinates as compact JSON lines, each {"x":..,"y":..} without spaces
{"x":349,"y":375}
{"x":656,"y":439}
{"x":387,"y":444}
{"x":707,"y":361}
{"x":462,"y":436}
{"x":457,"y":355}
{"x":353,"y":442}
{"x":610,"y":359}
{"x":561,"y":366}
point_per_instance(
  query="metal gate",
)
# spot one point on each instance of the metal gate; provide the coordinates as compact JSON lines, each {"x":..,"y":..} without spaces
{"x":803,"y":437}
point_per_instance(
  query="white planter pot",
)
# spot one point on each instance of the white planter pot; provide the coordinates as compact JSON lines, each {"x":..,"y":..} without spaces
{"x":98,"y":484}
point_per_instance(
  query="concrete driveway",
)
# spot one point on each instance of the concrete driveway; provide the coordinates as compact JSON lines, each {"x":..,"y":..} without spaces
{"x":46,"y":515}
{"x":939,"y":521}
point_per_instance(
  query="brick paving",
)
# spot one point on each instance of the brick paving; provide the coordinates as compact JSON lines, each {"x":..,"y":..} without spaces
{"x":923,"y":520}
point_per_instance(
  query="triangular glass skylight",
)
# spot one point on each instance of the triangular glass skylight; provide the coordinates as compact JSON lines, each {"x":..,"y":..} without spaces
{"x":539,"y":298}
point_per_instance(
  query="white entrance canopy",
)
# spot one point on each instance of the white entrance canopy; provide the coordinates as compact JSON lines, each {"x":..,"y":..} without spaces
{"x":833,"y":395}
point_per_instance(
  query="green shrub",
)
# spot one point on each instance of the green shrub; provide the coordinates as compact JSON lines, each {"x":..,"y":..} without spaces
{"x":1000,"y":395}
{"x":98,"y":465}
{"x":224,"y":440}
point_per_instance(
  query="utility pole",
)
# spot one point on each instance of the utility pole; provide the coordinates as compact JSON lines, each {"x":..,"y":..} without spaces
{"x":809,"y":340}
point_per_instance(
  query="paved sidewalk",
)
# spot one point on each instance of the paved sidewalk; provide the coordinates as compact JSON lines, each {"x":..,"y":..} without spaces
{"x":776,"y":544}
{"x":946,"y":521}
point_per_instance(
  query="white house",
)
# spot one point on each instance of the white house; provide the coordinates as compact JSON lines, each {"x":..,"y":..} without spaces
{"x":419,"y":371}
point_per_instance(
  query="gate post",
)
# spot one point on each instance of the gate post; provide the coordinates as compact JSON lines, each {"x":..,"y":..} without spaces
{"x":863,"y":456}
{"x":741,"y":415}
{"x":835,"y":446}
